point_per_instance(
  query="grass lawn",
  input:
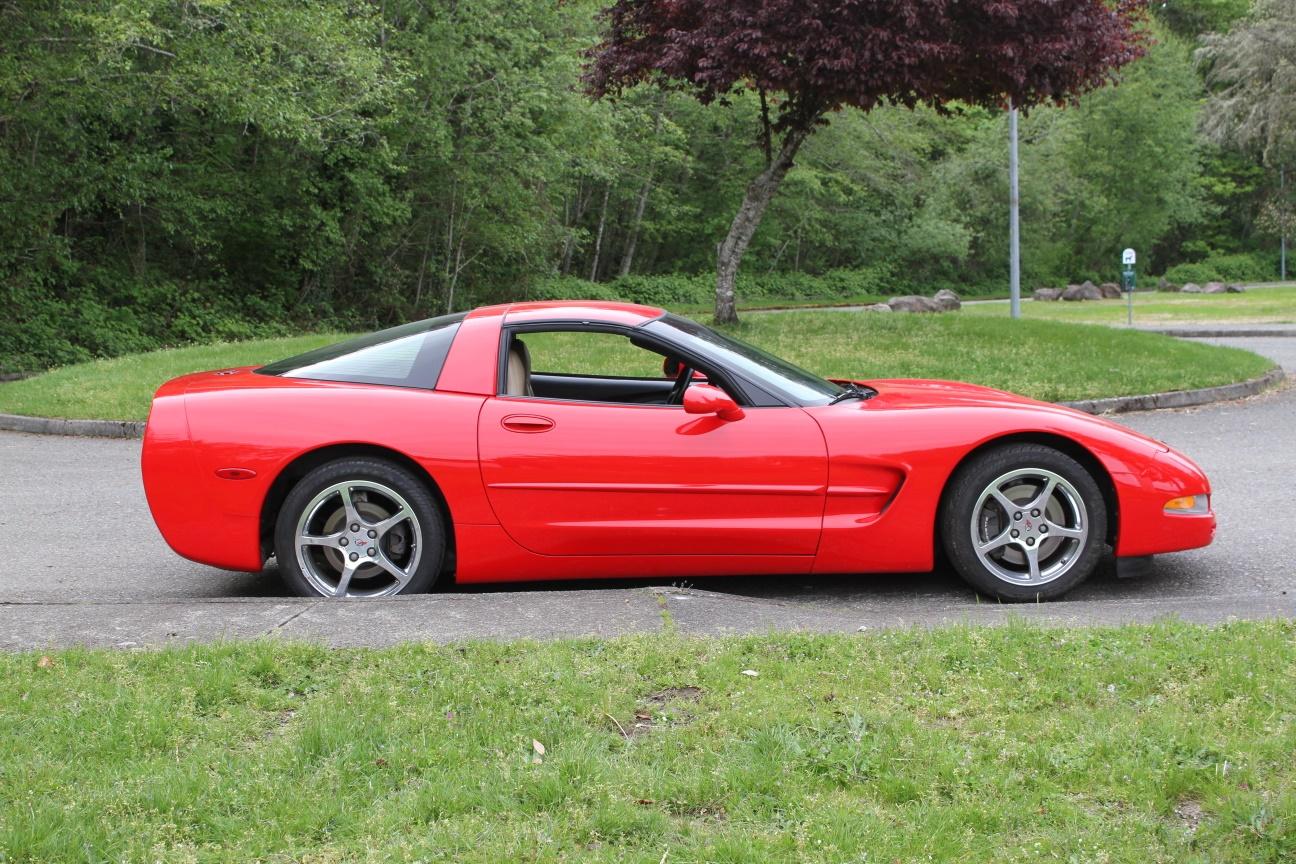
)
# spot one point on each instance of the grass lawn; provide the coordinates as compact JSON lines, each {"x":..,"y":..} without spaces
{"x":1041,"y":359}
{"x":1272,"y":304}
{"x":1037,"y":358}
{"x":123,"y":387}
{"x":1140,"y":744}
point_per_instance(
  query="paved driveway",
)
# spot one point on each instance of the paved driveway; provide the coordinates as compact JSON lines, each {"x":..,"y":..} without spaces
{"x":84,"y":563}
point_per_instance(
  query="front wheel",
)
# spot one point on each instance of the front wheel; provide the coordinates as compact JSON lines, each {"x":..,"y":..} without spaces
{"x":359,"y":528}
{"x":1024,"y":522}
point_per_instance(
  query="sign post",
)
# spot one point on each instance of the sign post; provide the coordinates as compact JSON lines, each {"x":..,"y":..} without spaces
{"x":1127,"y":284}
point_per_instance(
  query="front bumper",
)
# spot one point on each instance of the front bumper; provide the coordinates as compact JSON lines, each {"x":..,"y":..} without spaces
{"x":1146,"y":528}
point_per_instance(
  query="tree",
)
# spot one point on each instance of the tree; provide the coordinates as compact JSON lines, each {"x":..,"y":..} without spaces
{"x":1251,"y":77}
{"x":806,"y":59}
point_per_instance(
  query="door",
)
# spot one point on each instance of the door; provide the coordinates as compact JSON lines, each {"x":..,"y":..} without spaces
{"x":592,"y":478}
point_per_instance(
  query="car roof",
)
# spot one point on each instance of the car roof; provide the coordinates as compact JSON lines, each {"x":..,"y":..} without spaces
{"x":602,"y":311}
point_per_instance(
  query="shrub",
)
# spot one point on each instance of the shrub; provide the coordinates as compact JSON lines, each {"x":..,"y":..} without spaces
{"x":679,"y":289}
{"x":1224,"y":268}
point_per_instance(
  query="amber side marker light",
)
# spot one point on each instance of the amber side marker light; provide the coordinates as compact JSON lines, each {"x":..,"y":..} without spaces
{"x":1189,"y":505}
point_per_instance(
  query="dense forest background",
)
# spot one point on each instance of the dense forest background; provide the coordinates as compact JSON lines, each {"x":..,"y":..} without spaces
{"x":181,"y":170}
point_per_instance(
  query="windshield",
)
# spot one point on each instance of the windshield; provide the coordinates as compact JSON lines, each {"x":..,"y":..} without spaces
{"x":762,"y":367}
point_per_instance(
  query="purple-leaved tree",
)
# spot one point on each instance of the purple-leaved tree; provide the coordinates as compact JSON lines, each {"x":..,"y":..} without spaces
{"x":808,"y":58}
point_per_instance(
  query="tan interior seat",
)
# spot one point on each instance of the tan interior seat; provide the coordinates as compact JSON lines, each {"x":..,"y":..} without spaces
{"x":517,"y":381}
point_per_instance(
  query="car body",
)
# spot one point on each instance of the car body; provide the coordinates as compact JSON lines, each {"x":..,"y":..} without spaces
{"x":750,"y":477}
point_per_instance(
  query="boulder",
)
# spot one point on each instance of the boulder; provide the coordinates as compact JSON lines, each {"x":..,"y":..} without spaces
{"x":1164,"y":284}
{"x":1110,"y":291}
{"x":877,"y":307}
{"x":1087,"y":291}
{"x":1236,"y":289}
{"x":1047,"y":294}
{"x":1190,"y":288}
{"x":1214,"y":288}
{"x":947,"y":300}
{"x":913,"y":303}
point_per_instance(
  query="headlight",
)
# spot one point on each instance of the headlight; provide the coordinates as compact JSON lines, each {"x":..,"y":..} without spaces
{"x":1189,"y":505}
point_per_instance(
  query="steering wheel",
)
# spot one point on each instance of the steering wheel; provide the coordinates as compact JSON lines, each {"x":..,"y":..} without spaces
{"x":682,"y":381}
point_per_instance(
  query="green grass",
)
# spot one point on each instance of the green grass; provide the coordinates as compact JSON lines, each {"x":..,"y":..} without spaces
{"x":1037,"y":358}
{"x":1274,"y":304}
{"x":1040,"y":359}
{"x":1018,"y":744}
{"x":123,"y":387}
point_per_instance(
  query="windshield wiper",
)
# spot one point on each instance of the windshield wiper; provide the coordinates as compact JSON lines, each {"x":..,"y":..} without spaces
{"x":853,"y":391}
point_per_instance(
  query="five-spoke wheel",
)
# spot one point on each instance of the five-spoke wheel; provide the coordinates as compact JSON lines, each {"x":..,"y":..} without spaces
{"x":1024,"y":522}
{"x":359,"y":528}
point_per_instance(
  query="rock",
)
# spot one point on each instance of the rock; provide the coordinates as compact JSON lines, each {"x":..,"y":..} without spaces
{"x":1191,"y":288}
{"x":1214,"y":288}
{"x":1236,"y":289}
{"x":947,"y":300}
{"x":877,"y":307}
{"x":1110,"y":290}
{"x":1087,"y":291}
{"x":1164,"y":284}
{"x":913,"y":303}
{"x":1047,"y":294}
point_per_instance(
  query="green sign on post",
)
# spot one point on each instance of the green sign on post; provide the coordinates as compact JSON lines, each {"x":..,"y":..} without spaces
{"x":1127,"y":283}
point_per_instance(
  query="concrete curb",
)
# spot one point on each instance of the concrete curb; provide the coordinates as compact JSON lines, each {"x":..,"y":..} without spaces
{"x":77,"y":428}
{"x":1180,"y":398}
{"x":1189,"y":333}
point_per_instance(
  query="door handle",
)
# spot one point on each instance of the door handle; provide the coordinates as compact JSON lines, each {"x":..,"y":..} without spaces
{"x":527,"y":423}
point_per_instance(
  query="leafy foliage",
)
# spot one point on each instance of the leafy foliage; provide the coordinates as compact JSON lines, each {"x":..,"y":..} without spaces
{"x":219,"y":169}
{"x":815,"y":58}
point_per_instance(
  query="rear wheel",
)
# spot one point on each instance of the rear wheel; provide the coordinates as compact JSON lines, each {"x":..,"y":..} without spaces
{"x":1024,"y":522}
{"x":359,"y":528}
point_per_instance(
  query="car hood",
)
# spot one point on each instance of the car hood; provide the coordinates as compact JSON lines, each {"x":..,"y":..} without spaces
{"x":916,"y":393}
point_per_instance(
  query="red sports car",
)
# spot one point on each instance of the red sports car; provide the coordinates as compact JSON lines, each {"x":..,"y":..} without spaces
{"x":498,"y":446}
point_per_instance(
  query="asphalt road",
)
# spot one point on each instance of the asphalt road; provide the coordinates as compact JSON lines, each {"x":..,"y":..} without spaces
{"x":84,"y":564}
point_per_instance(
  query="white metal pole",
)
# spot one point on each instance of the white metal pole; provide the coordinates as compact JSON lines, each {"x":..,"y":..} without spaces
{"x":1014,"y":226}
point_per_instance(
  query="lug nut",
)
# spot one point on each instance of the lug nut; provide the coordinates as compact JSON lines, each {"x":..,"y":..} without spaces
{"x":1030,"y":541}
{"x":1043,"y":529}
{"x":1016,"y":533}
{"x":343,"y":542}
{"x":1035,"y":513}
{"x":354,"y":556}
{"x":373,"y":535}
{"x":1017,"y":516}
{"x":372,"y":552}
{"x":355,"y":527}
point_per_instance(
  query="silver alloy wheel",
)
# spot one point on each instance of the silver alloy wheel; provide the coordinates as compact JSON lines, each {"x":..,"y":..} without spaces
{"x":358,"y":538}
{"x":1029,"y":526}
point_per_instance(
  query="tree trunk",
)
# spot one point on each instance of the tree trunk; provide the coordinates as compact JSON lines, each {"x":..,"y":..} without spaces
{"x":730,"y":251}
{"x":627,"y":259}
{"x":598,"y":237}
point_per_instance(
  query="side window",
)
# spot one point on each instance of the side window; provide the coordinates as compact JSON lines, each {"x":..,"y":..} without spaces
{"x":407,"y":356}
{"x":591,"y":366}
{"x":597,"y":354}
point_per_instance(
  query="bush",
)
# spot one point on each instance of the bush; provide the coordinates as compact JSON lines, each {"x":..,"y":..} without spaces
{"x":109,"y":314}
{"x":678,"y":289}
{"x":1224,"y":268}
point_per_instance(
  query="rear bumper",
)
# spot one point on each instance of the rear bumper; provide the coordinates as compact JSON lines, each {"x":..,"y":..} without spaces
{"x":183,"y":507}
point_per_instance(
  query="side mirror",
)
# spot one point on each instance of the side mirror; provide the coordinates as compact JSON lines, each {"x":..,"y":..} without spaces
{"x":707,"y":399}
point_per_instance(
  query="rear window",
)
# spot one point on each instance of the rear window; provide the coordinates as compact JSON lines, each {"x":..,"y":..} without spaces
{"x":410,"y":355}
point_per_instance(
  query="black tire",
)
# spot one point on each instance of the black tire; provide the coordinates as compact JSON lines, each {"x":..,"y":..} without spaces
{"x":416,"y":545}
{"x":1078,"y":498}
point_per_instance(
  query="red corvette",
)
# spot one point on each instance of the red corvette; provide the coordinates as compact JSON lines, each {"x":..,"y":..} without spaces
{"x":494,"y":446}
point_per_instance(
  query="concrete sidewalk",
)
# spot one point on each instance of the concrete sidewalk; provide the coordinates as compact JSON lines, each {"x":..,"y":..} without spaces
{"x":555,"y":614}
